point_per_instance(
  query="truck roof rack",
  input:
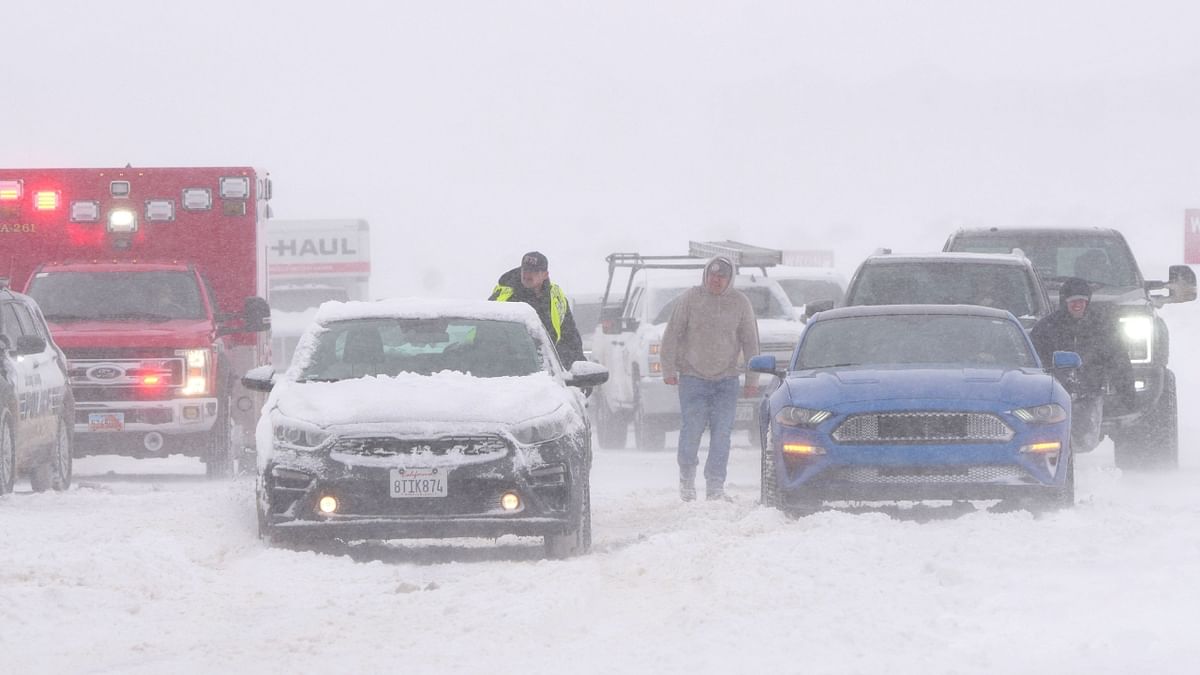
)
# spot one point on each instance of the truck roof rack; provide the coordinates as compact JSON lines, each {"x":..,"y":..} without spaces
{"x":741,"y":255}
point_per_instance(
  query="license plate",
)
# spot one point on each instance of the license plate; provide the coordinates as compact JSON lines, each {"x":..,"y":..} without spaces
{"x":106,"y":421}
{"x":744,"y":413}
{"x":419,"y":482}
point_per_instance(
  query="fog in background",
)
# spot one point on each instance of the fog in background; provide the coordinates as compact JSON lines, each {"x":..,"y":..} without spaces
{"x":469,"y":132}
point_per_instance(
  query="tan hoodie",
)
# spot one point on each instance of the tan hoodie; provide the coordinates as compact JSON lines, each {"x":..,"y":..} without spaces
{"x":710,"y":336}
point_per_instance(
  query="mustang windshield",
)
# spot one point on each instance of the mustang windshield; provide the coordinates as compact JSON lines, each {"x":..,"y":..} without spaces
{"x":480,"y":347}
{"x":906,"y":339}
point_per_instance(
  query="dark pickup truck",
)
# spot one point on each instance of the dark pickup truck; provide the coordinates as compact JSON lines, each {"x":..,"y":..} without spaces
{"x":1146,"y":435}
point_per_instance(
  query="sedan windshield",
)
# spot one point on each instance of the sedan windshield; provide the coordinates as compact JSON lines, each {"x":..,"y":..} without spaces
{"x":364,"y":347}
{"x":895,"y":339}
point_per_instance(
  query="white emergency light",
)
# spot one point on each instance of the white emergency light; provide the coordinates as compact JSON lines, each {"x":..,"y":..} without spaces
{"x":119,"y":188}
{"x":197,"y":199}
{"x":85,"y":212}
{"x":11,"y":190}
{"x":235,"y":187}
{"x":122,"y":220}
{"x":160,"y":210}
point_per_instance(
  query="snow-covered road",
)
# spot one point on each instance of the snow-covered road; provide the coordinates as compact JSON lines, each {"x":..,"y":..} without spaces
{"x":146,"y":567}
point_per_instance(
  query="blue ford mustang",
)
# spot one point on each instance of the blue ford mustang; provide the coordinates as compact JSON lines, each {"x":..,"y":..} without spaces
{"x":916,"y":402}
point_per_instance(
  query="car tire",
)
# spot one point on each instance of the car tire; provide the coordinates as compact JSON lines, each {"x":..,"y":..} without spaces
{"x":1152,"y":443}
{"x":579,"y":540}
{"x":8,"y":457}
{"x":648,"y":434}
{"x":769,"y":487}
{"x":55,"y":472}
{"x":221,"y":460}
{"x":611,"y":427}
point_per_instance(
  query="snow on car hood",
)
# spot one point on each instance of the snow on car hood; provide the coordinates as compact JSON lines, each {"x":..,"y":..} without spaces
{"x":825,"y":388}
{"x":422,"y":401}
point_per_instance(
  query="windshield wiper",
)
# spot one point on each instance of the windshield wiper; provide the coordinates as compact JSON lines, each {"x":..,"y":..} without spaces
{"x":67,"y":317}
{"x":129,"y":316}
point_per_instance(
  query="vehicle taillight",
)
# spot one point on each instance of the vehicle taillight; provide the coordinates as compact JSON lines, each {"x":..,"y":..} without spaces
{"x":45,"y":200}
{"x":10,"y":190}
{"x":196,"y":377}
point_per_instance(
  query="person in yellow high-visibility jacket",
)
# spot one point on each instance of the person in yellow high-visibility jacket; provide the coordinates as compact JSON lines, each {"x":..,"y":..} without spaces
{"x":530,"y":283}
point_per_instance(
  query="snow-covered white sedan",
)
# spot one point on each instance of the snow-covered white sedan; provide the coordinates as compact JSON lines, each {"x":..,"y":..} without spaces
{"x":426,"y":418}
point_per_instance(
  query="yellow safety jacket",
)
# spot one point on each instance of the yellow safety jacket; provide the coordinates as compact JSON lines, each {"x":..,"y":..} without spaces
{"x":558,"y":304}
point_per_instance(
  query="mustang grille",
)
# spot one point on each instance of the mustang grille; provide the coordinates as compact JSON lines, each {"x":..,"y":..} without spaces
{"x":923,"y":427}
{"x":921,"y":475}
{"x":387,"y":446}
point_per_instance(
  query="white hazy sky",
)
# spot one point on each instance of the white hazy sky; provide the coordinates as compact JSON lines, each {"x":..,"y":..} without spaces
{"x":469,"y":132}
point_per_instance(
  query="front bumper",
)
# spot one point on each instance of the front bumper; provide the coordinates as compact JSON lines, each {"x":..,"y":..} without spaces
{"x":548,"y":481}
{"x":927,"y":471}
{"x":168,"y":417}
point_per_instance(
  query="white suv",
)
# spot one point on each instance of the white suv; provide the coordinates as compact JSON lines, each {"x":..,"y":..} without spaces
{"x":629,"y":348}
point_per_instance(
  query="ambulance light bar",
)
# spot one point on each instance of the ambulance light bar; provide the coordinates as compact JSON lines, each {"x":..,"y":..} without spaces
{"x":11,"y":190}
{"x":160,"y":210}
{"x":122,"y":220}
{"x":197,"y":199}
{"x":85,"y":212}
{"x":235,"y":187}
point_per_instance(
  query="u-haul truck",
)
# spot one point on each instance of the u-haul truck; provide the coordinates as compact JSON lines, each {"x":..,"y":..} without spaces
{"x":153,"y":283}
{"x":310,"y":262}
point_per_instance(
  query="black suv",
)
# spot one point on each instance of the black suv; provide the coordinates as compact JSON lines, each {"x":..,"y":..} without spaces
{"x":37,"y":415}
{"x":1003,"y":281}
{"x":1146,"y":436}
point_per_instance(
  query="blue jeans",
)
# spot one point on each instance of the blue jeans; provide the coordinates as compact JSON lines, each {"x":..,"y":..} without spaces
{"x":707,"y":403}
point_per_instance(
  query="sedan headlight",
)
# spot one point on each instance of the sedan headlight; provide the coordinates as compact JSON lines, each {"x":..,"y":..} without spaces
{"x":792,"y":416}
{"x":1049,"y":413}
{"x":299,"y":435}
{"x":541,"y":430}
{"x":1138,"y":333}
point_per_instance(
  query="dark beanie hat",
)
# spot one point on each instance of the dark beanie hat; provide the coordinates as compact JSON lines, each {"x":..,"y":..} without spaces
{"x":1074,"y":288}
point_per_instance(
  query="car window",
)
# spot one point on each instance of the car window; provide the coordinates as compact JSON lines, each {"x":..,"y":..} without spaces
{"x":9,"y":325}
{"x":1007,"y":287}
{"x":915,"y":339}
{"x":1100,"y":259}
{"x":803,"y":291}
{"x":371,"y":347}
{"x":25,"y":319}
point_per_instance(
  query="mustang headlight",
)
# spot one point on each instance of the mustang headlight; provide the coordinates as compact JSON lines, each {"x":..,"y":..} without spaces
{"x":299,"y":435}
{"x":792,"y":416}
{"x":1138,"y":333}
{"x":541,"y":430}
{"x":1049,"y":413}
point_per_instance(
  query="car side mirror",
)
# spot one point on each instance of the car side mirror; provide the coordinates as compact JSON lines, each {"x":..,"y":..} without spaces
{"x":587,"y":374}
{"x":1181,"y":284}
{"x":261,"y":378}
{"x":256,"y":314}
{"x":816,"y":306}
{"x":1067,"y":360}
{"x":30,"y":344}
{"x":765,"y":363}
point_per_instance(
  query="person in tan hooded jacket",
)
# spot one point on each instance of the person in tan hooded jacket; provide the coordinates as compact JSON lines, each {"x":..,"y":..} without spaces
{"x":711,"y":334}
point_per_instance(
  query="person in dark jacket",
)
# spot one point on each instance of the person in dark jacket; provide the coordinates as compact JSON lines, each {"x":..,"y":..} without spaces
{"x":1093,"y":334}
{"x":530,"y":283}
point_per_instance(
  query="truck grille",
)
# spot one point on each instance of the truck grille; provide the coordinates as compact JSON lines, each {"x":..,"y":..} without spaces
{"x":117,"y":373}
{"x":387,"y":446}
{"x":923,"y":427}
{"x":920,"y":475}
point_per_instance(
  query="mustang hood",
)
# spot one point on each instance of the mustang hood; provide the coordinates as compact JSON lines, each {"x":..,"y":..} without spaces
{"x":442,"y":399}
{"x":176,"y":333}
{"x":820,"y":389}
